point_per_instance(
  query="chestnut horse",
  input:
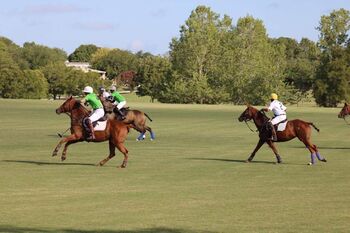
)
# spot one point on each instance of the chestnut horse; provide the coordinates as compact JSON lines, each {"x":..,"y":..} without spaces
{"x":115,"y":132}
{"x":345,"y":111}
{"x":136,"y":118}
{"x":294,"y":128}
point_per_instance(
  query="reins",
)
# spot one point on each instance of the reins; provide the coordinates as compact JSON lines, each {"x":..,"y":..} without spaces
{"x":346,"y":120}
{"x":246,"y":122}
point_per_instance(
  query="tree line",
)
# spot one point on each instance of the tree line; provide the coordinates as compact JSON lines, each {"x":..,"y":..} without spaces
{"x":212,"y":61}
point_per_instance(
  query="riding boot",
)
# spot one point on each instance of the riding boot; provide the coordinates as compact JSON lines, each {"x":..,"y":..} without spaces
{"x":122,"y":116}
{"x":92,"y":133}
{"x":273,"y":133}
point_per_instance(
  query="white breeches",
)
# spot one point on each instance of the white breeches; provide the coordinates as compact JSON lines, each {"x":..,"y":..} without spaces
{"x":278,"y":119}
{"x":97,"y":114}
{"x":121,"y":104}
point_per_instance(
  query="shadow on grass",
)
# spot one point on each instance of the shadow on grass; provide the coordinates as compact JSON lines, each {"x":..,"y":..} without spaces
{"x":54,"y":135}
{"x":12,"y":229}
{"x":48,"y":163}
{"x":324,"y":147}
{"x":231,"y":160}
{"x":243,"y":161}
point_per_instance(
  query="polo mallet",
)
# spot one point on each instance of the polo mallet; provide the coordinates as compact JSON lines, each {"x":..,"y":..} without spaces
{"x":61,"y":134}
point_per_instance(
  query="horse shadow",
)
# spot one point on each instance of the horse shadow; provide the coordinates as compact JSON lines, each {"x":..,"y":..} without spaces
{"x":325,"y":147}
{"x":40,"y":163}
{"x":231,"y":160}
{"x":13,"y":229}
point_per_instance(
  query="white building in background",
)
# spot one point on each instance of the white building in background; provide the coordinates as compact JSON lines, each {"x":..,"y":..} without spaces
{"x":85,"y":67}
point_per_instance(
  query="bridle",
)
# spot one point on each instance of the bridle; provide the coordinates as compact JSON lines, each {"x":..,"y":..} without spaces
{"x":246,"y":122}
{"x":75,"y":120}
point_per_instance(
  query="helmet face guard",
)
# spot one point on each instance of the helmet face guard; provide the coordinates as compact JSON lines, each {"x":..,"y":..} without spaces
{"x":113,"y":88}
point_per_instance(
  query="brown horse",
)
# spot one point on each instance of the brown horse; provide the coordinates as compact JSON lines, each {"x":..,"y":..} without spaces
{"x":345,"y":111}
{"x":294,"y":128}
{"x":115,"y":132}
{"x":137,"y":119}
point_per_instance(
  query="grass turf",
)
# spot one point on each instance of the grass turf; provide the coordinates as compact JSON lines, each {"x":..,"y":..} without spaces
{"x":192,"y":178}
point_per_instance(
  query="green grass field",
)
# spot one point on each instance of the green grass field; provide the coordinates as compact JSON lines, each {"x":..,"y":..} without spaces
{"x":190,"y":179}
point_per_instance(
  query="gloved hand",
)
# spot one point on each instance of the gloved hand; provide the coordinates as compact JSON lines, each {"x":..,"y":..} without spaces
{"x":110,"y":98}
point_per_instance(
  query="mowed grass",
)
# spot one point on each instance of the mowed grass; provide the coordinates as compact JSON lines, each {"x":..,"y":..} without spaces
{"x":192,"y":178}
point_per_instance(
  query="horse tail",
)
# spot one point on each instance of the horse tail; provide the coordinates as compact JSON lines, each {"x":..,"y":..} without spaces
{"x":147,"y":116}
{"x":312,"y":124}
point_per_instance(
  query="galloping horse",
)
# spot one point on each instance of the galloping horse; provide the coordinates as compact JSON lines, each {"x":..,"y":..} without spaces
{"x":294,"y":128}
{"x":136,"y":118}
{"x":344,"y":111}
{"x":115,"y":131}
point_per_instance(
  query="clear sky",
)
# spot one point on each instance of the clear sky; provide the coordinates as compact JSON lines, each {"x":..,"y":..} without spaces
{"x":147,"y":25}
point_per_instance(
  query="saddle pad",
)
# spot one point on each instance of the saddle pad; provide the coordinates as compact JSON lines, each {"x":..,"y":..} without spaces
{"x":282,"y":126}
{"x":100,"y":125}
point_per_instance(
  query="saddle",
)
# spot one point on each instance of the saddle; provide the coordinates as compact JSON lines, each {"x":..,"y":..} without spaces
{"x":266,"y":131}
{"x":98,"y":125}
{"x":123,"y":110}
{"x":281,"y":126}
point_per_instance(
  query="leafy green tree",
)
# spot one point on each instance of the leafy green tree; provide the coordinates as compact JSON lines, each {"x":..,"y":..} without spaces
{"x":259,"y":65}
{"x":36,"y":85}
{"x":12,"y":83}
{"x":83,"y":53}
{"x":150,"y":75}
{"x":56,"y":75}
{"x":332,"y":77}
{"x":6,"y":45}
{"x":196,"y":54}
{"x":114,"y":61}
{"x":39,"y":56}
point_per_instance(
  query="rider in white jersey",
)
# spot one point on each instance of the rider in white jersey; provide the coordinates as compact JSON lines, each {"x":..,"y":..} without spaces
{"x":279,"y":112}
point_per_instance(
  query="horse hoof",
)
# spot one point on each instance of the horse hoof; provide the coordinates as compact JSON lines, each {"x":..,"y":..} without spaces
{"x":54,"y":154}
{"x":324,"y":160}
{"x":247,"y":161}
{"x":63,"y":158}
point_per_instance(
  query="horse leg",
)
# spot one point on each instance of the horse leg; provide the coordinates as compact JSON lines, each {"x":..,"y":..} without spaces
{"x":312,"y":148}
{"x":274,"y":149}
{"x":318,"y":155}
{"x":125,"y":151}
{"x":111,"y":154}
{"x":141,"y":137}
{"x":149,"y":129}
{"x":142,"y":131}
{"x":71,"y":137}
{"x":64,"y":153}
{"x":260,"y":143}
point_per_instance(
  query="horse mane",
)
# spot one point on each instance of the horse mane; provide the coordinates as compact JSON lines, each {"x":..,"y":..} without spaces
{"x":77,"y":105}
{"x":261,"y":113}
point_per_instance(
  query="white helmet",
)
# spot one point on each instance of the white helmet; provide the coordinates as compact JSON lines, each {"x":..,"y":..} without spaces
{"x":88,"y":89}
{"x":113,"y":88}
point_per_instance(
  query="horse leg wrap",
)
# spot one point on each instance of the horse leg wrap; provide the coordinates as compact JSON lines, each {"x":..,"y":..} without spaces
{"x":319,"y":157}
{"x":313,"y":156}
{"x":153,"y":136}
{"x":140,"y":137}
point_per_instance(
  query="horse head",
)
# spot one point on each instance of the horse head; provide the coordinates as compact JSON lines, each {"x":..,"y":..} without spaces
{"x":344,"y":111}
{"x":251,"y":113}
{"x":247,"y":115}
{"x":68,"y":105}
